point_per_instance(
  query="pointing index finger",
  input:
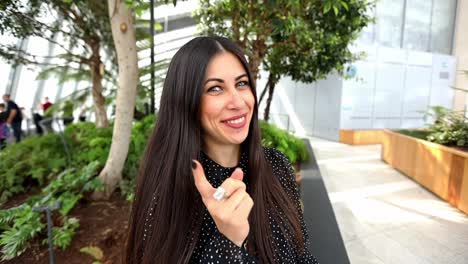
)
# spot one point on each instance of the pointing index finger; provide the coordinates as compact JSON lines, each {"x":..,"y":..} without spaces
{"x":205,"y":189}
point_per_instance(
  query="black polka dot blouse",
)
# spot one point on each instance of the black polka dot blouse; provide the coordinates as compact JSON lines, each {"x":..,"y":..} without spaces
{"x":214,"y":247}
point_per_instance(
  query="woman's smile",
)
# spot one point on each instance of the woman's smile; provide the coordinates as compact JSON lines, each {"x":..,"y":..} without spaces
{"x":236,"y":121}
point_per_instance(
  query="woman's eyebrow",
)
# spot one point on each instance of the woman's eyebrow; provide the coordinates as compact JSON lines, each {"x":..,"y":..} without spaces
{"x":222,"y":81}
{"x":240,"y":76}
{"x":214,"y":80}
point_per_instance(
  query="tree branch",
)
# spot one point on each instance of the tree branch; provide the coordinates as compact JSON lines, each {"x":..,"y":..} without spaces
{"x":28,"y":58}
{"x":41,"y":24}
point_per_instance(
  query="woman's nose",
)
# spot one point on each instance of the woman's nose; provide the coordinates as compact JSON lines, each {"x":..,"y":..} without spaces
{"x":236,"y":99}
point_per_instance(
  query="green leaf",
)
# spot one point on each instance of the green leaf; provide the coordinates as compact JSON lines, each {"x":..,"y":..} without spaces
{"x":327,"y":7}
{"x":138,"y":12}
{"x":62,"y":236}
{"x":68,"y":201}
{"x":335,"y":9}
{"x":94,"y":251}
{"x":345,"y":5}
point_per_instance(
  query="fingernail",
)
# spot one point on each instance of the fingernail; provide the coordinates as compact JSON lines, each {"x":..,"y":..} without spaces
{"x":194,"y":165}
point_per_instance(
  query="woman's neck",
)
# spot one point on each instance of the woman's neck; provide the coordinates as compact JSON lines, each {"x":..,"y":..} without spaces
{"x":226,"y":156}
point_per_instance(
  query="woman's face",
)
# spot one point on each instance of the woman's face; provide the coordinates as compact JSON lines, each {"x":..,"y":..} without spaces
{"x":227,"y":101}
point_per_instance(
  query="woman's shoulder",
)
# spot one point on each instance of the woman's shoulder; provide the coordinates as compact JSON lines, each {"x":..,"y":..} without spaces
{"x":275,"y":157}
{"x":282,"y":169}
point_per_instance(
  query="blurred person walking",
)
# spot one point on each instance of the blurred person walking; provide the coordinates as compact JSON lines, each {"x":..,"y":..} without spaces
{"x":46,"y":105}
{"x":15,"y":116}
{"x":38,"y":117}
{"x":4,"y":132}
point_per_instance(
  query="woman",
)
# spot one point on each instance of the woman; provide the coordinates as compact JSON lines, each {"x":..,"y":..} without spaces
{"x":207,"y":136}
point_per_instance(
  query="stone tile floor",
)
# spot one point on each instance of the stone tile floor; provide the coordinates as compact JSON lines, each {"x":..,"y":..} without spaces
{"x":385,"y":217}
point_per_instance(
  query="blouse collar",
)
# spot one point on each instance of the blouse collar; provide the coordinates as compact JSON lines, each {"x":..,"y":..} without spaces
{"x":216,"y":173}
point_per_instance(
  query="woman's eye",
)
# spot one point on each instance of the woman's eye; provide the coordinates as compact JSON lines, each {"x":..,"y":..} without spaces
{"x":214,"y":89}
{"x":243,"y":83}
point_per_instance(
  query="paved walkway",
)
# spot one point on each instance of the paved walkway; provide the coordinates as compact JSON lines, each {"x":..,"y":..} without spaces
{"x":383,"y":216}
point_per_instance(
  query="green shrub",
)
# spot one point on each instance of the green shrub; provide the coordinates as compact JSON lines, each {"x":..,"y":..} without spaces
{"x":43,"y":159}
{"x":35,"y":159}
{"x":421,"y":134}
{"x":19,"y":225}
{"x":449,"y":128}
{"x":62,"y":236}
{"x":88,"y":143}
{"x":293,"y":147}
{"x":141,"y":131}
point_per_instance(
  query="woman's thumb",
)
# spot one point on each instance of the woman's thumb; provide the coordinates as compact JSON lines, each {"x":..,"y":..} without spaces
{"x":237,"y":174}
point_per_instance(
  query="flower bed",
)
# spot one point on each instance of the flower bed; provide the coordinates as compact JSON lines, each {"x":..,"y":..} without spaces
{"x":442,"y":170}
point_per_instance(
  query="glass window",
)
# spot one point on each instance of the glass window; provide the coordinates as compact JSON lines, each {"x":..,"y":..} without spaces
{"x":181,"y":22}
{"x":5,"y":69}
{"x":389,"y":22}
{"x":443,"y":16}
{"x":367,"y":35}
{"x":417,"y":25}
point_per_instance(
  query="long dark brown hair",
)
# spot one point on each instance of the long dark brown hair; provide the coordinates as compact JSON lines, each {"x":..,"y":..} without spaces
{"x":167,"y":203}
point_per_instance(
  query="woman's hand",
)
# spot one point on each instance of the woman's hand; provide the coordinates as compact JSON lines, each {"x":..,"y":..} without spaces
{"x":231,"y":213}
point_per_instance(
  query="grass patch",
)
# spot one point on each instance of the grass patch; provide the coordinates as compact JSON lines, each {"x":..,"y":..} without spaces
{"x":421,"y":134}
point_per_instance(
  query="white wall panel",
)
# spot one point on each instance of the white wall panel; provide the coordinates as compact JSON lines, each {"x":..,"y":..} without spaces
{"x":327,"y":108}
{"x":391,"y":55}
{"x":443,"y":77}
{"x":416,"y":96}
{"x":358,"y":97}
{"x":304,"y":105}
{"x":388,"y":96}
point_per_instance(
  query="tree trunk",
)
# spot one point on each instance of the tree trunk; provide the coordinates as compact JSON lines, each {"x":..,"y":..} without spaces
{"x":123,"y":32}
{"x":258,"y":53}
{"x":99,"y":102}
{"x":271,"y":90}
{"x":265,"y":89}
{"x":254,"y":65}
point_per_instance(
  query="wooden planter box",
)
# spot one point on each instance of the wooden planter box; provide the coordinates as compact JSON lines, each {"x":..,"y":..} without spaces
{"x":442,"y":170}
{"x":361,"y":137}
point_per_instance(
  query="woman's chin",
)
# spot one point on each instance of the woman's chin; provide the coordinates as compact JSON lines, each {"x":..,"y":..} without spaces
{"x":238,"y":139}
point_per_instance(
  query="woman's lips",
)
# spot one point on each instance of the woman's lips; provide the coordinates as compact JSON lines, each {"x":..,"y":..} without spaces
{"x":236,"y":122}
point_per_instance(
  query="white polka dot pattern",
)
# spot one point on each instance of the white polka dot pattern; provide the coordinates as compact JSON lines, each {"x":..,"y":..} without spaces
{"x":214,"y":247}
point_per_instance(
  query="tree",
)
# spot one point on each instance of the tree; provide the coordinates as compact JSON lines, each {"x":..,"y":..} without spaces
{"x":302,"y":39}
{"x":125,"y":41}
{"x":120,"y":18}
{"x":83,"y":25}
{"x":123,"y":32}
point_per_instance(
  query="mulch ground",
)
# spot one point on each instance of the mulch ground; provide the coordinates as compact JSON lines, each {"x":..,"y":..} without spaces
{"x":103,"y":224}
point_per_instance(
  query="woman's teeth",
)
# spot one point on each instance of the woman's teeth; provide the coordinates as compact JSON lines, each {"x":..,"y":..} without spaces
{"x":236,"y":121}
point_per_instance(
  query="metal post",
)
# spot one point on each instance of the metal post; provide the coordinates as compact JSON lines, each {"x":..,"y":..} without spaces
{"x":402,"y":33}
{"x":49,"y":234}
{"x":152,"y":88}
{"x":48,"y":209}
